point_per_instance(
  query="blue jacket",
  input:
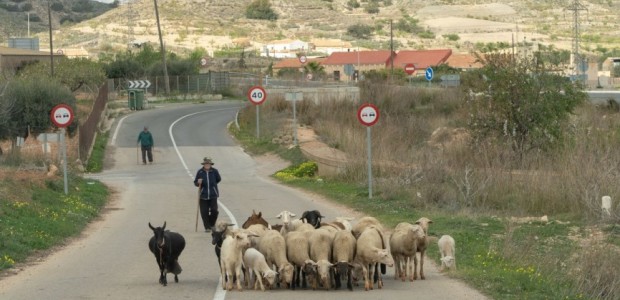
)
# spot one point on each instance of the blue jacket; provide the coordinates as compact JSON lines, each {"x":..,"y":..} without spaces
{"x":210,"y":179}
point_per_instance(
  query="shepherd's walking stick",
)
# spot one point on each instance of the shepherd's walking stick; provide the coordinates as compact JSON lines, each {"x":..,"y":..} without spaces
{"x":198,"y":207}
{"x":138,"y":154}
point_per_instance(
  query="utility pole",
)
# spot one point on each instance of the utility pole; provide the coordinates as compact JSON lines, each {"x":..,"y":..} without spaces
{"x":163,"y":52}
{"x":49,"y":17}
{"x":578,"y":60}
{"x":391,"y":51}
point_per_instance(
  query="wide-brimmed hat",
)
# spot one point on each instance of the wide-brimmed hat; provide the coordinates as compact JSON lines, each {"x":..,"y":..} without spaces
{"x":207,"y":160}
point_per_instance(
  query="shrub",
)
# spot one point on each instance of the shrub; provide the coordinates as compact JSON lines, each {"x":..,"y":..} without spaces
{"x":260,"y":10}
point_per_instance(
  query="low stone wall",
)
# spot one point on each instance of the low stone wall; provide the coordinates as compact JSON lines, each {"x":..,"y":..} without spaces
{"x":329,"y":161}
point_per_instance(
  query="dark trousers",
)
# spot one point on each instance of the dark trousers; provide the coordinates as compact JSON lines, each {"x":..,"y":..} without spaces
{"x":208,"y":212}
{"x":146,"y":151}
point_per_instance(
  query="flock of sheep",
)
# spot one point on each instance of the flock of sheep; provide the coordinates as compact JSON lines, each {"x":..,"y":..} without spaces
{"x":307,"y":252}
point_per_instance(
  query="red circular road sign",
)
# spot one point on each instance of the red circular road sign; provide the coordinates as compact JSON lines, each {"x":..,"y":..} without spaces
{"x":368,"y":114}
{"x":62,"y":115}
{"x":257,"y":95}
{"x":409,"y":69}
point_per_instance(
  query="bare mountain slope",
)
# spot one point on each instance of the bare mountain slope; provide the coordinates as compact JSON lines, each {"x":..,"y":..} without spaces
{"x":216,"y":24}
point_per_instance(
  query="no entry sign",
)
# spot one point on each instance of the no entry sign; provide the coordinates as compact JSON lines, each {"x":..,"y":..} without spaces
{"x":409,"y":69}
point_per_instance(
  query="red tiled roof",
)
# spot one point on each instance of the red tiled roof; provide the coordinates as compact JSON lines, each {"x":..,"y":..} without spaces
{"x":361,"y":57}
{"x":421,"y":59}
{"x":463,"y":61}
{"x":294,"y":62}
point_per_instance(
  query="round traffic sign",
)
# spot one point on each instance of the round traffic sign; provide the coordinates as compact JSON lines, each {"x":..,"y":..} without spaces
{"x":368,"y":114}
{"x":429,"y":73}
{"x":62,"y":115}
{"x":409,"y":69}
{"x":303,"y":59}
{"x":257,"y":95}
{"x":309,"y":76}
{"x":203,"y":61}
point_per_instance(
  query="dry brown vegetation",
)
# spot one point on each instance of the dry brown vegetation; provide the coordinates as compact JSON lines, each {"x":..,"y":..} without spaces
{"x":445,"y":170}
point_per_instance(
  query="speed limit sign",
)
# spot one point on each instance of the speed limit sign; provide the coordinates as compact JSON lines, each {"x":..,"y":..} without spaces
{"x":61,"y":115}
{"x":257,"y":95}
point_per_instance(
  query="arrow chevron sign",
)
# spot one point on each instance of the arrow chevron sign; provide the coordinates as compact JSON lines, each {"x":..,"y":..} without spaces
{"x":138,"y":84}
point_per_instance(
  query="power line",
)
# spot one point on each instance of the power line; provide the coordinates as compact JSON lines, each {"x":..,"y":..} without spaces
{"x":578,"y":60}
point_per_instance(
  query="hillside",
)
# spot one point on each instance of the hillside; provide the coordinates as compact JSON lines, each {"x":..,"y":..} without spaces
{"x":458,"y":24}
{"x":15,"y":15}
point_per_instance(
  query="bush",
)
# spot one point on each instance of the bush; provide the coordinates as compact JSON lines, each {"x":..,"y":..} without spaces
{"x":260,"y":10}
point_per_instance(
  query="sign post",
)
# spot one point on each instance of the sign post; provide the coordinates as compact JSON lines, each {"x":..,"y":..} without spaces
{"x":368,"y":115}
{"x":257,"y":95}
{"x":62,"y":116}
{"x":294,"y":97}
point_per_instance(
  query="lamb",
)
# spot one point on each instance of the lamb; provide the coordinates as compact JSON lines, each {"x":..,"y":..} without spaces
{"x":273,"y":246}
{"x":320,"y":241}
{"x":422,"y":244}
{"x":403,"y":246}
{"x":255,"y":263}
{"x":370,"y":251}
{"x":232,"y":258}
{"x":343,"y":253}
{"x":298,"y":254}
{"x":447,"y":251}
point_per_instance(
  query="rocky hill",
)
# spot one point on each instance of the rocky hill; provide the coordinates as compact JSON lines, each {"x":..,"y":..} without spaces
{"x":461,"y":25}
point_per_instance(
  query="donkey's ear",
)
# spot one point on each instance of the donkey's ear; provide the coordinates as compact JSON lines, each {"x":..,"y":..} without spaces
{"x":164,"y":227}
{"x":151,"y":226}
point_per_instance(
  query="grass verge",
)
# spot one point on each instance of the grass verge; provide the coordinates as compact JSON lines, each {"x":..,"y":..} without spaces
{"x":502,"y":258}
{"x":36,"y":214}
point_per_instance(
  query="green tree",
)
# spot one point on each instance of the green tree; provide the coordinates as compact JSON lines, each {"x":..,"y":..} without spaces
{"x":73,"y":73}
{"x":261,"y":10}
{"x":288,"y":73}
{"x":360,"y":31}
{"x":29,"y":101}
{"x":316,"y":69}
{"x":520,"y":103}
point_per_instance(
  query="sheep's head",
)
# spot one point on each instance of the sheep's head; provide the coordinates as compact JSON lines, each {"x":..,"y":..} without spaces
{"x":383,"y":256}
{"x":285,"y":216}
{"x":286,"y":272}
{"x":448,"y":261}
{"x":424,"y":222}
{"x":269,"y":277}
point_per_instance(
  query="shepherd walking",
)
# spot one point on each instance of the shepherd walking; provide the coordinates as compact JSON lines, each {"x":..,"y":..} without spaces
{"x":206,"y":180}
{"x":145,"y":140}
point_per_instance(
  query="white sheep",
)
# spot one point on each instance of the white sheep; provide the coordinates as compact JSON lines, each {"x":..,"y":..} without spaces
{"x":232,"y":258}
{"x":363,"y":223}
{"x":343,"y":254}
{"x":255,"y":263}
{"x":298,"y":254}
{"x":403,"y":246}
{"x":447,"y":251}
{"x":422,"y":245}
{"x":371,"y":250}
{"x":288,"y":224}
{"x":273,"y":246}
{"x":320,"y":242}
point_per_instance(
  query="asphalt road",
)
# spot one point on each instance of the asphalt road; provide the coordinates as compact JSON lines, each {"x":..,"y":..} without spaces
{"x":112,"y":260}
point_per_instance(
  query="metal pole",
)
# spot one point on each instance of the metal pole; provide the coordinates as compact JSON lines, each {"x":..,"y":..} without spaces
{"x":64,"y":158}
{"x":257,"y":123}
{"x":294,"y":119}
{"x":49,"y":16}
{"x":369,"y":163}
